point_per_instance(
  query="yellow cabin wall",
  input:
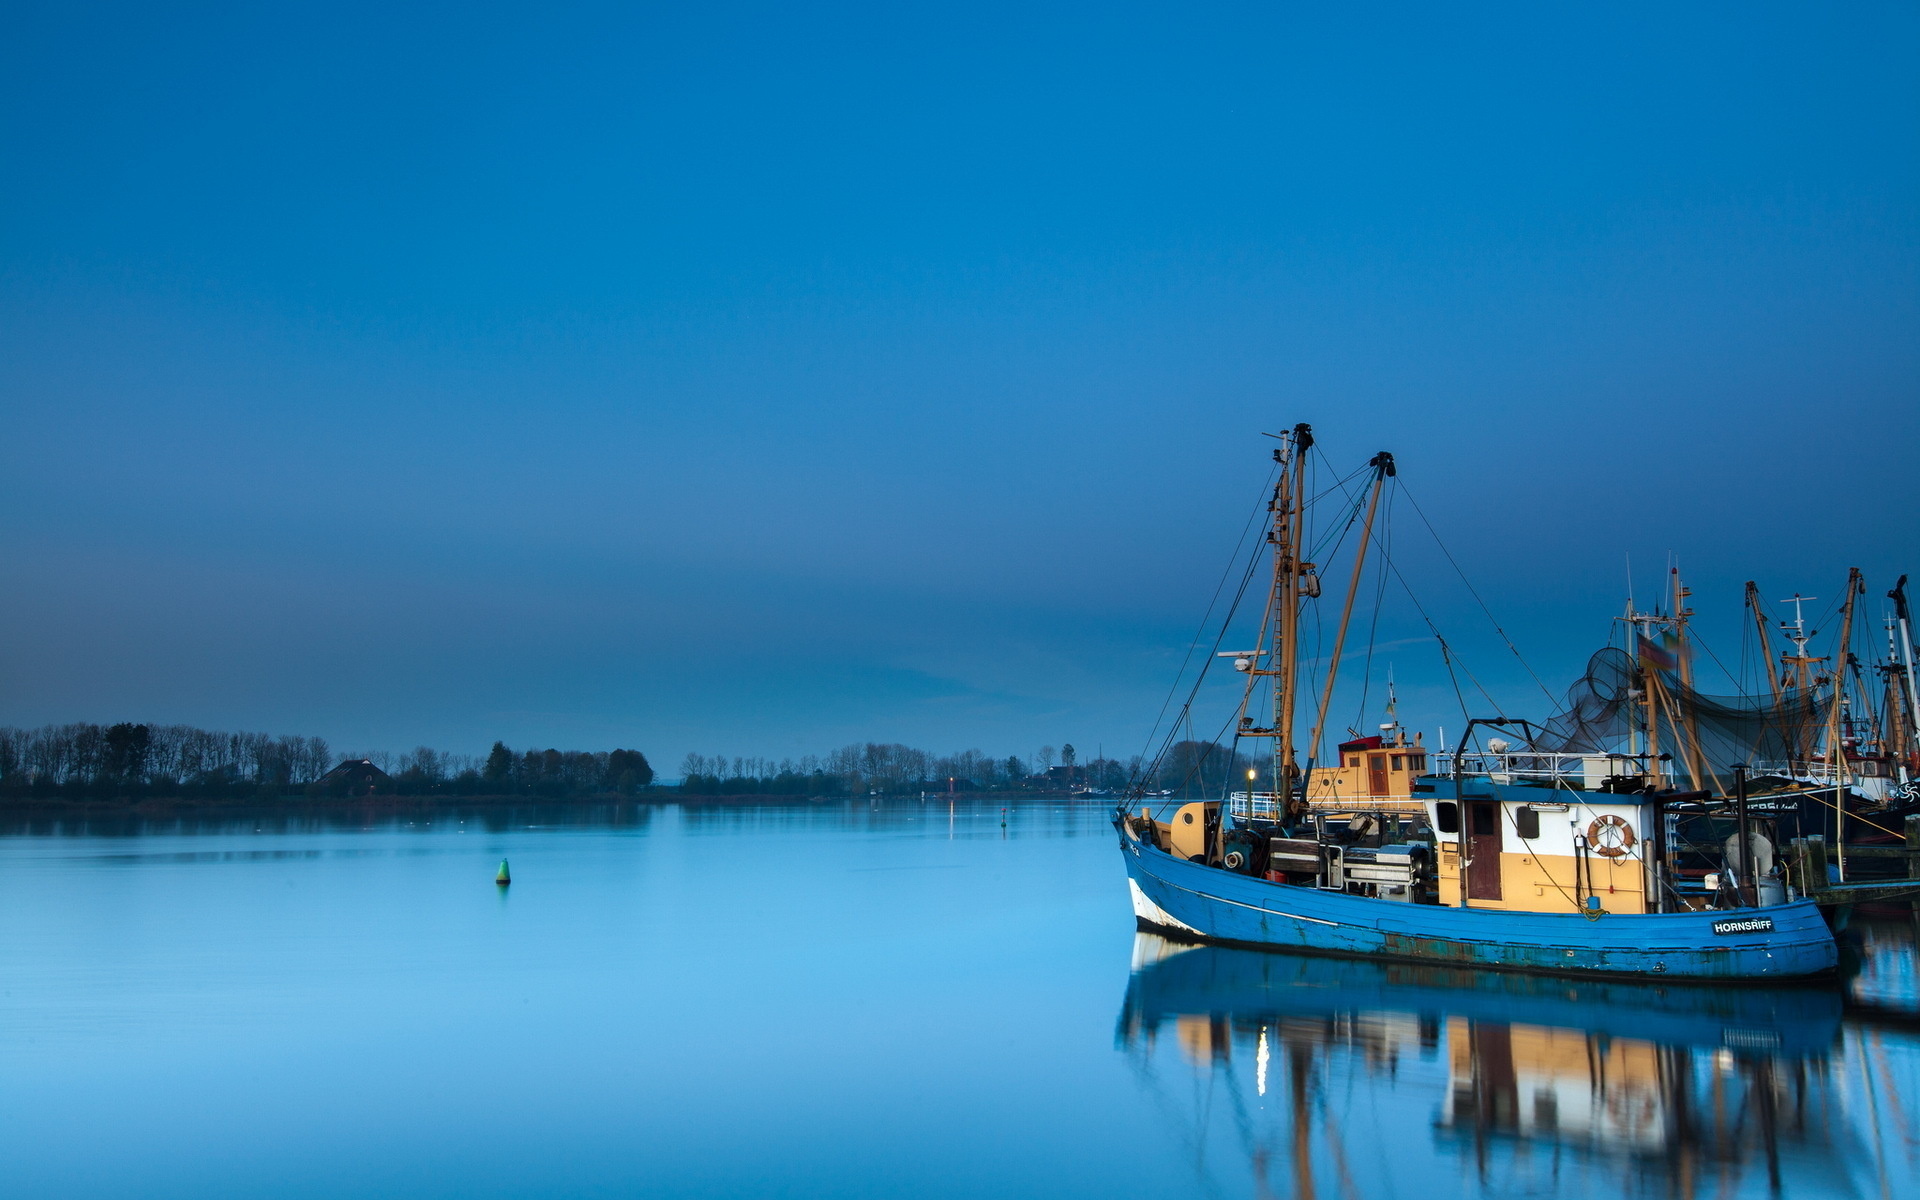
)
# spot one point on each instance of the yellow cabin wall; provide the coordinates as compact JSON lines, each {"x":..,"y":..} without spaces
{"x":1528,"y":882}
{"x":1342,"y":788}
{"x":1446,"y":874}
{"x":1187,"y":832}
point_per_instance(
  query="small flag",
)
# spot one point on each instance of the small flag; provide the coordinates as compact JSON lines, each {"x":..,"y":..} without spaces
{"x":1661,"y":655}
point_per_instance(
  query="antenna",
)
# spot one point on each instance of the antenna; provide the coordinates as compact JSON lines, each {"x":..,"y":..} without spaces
{"x":1797,"y":631}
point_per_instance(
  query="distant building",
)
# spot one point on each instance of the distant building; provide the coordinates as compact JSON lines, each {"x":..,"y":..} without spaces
{"x":356,"y":777}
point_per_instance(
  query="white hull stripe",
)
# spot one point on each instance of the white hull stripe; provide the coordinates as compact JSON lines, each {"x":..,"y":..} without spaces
{"x":1142,"y":899}
{"x":1152,"y":913}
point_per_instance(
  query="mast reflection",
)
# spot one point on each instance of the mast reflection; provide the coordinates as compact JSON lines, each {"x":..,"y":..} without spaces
{"x":1349,"y":1078}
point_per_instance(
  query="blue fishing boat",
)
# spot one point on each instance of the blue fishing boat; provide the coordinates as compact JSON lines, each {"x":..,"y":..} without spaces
{"x":1183,"y":898}
{"x":1529,"y":861}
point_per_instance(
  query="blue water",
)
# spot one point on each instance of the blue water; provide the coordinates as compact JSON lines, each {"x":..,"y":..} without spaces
{"x":843,"y":1000}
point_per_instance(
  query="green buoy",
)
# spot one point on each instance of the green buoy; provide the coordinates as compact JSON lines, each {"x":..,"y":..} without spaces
{"x":504,"y":877}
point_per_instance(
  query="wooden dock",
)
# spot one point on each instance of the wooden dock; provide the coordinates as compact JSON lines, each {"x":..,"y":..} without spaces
{"x":1809,"y":860}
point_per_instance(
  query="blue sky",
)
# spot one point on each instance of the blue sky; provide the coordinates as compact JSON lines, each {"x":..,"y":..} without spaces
{"x":757,"y":379}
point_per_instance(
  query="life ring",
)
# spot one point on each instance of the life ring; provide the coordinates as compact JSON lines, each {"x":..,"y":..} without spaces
{"x":1610,"y":836}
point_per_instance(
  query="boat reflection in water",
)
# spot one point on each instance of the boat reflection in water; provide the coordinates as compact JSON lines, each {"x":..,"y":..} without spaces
{"x":1318,"y":1076}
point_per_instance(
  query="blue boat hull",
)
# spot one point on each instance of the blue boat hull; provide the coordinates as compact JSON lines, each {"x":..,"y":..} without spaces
{"x":1189,"y":900}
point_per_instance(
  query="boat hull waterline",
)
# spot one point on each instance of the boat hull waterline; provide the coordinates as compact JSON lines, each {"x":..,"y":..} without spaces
{"x":1189,"y":900}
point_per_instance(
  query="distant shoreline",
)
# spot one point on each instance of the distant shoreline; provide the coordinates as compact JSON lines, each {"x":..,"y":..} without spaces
{"x":15,"y":806}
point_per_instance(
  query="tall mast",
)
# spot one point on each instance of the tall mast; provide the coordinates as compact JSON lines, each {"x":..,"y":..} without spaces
{"x":1280,"y":627}
{"x":1641,"y":625}
{"x":1803,"y":681}
{"x":1766,"y":645}
{"x":1895,"y":741}
{"x":1869,"y":719}
{"x":1696,"y":761}
{"x":1382,"y":464}
{"x":1288,"y":570}
{"x":1650,"y":686}
{"x":1788,"y":738}
{"x":1836,"y":741}
{"x":1899,"y":597}
{"x":1633,"y":731}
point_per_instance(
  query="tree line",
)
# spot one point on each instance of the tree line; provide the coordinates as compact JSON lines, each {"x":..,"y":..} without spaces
{"x":889,"y":768}
{"x":140,"y":761}
{"x":84,"y":761}
{"x":557,"y":774}
{"x":137,"y":761}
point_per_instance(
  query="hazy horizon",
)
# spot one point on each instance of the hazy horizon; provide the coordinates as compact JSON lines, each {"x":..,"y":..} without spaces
{"x":755,"y":381}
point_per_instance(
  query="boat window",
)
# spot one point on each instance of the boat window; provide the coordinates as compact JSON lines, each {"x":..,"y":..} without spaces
{"x":1419,"y":762}
{"x":1447,"y":817}
{"x":1526,"y":822}
{"x":1396,"y":762}
{"x":1354,"y":761}
{"x":1485,"y":823}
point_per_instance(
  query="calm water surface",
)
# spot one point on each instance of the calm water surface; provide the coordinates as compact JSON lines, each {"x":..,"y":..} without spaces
{"x":846,"y":1001}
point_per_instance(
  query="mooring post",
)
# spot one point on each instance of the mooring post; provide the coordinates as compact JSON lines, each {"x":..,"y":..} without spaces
{"x":1797,"y":865}
{"x":1913,"y":865}
{"x":1749,"y":880}
{"x":1817,"y":877}
{"x":1657,"y":855}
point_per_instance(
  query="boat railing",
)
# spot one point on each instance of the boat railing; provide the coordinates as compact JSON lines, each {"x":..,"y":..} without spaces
{"x":1819,"y":770}
{"x":1583,"y":771}
{"x":1257,"y":806}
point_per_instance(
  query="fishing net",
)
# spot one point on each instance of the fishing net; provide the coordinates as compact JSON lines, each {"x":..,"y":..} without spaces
{"x":1607,"y":704}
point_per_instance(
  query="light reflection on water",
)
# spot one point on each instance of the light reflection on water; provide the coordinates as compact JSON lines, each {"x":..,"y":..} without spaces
{"x":1522,"y":1085}
{"x":847,"y":999}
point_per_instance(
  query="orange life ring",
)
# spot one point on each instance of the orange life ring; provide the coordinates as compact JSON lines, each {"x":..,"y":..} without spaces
{"x":1610,"y":836}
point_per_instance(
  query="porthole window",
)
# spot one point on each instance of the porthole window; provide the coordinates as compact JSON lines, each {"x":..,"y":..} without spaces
{"x":1526,"y":821}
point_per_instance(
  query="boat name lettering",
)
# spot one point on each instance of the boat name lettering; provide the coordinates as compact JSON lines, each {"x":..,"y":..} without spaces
{"x":1743,"y":925}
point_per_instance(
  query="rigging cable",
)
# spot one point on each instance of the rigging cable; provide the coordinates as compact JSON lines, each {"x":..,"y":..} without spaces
{"x":1152,"y":768}
{"x":1447,"y":653}
{"x":1200,"y":632}
{"x":1739,"y":688}
{"x":1373,"y":627}
{"x":1445,"y":650}
{"x":1476,"y":596}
